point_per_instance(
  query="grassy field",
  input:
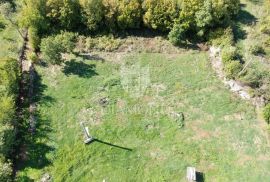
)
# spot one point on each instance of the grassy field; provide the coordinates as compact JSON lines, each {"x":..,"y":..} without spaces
{"x":139,"y":138}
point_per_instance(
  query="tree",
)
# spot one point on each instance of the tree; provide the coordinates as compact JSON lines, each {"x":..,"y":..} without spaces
{"x":7,"y":11}
{"x":64,"y":13}
{"x":5,"y":170}
{"x":33,"y":14}
{"x":129,"y":14}
{"x":177,"y":35}
{"x":160,"y":14}
{"x":93,"y":12}
{"x":52,"y":47}
{"x":8,"y":92}
{"x":110,"y":16}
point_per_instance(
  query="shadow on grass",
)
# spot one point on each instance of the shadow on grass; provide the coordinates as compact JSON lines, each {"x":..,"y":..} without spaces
{"x":34,"y":146}
{"x":112,"y":145}
{"x":80,"y":69}
{"x":243,"y":18}
{"x":93,"y":57}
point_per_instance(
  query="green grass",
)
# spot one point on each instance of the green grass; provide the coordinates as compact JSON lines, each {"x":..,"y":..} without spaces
{"x":221,"y":136}
{"x":10,"y":40}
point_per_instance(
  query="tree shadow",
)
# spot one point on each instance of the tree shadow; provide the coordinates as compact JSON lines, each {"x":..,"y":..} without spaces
{"x":39,"y":89}
{"x":90,"y":57}
{"x":34,"y":146}
{"x":112,"y":145}
{"x":80,"y":69}
{"x":142,"y":32}
{"x":245,"y":17}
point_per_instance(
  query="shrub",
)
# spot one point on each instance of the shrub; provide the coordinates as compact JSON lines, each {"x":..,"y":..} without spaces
{"x":33,"y":14}
{"x":229,"y":54}
{"x":256,"y":49}
{"x":232,"y":69}
{"x":34,"y":39}
{"x":266,"y":113}
{"x":177,"y":35}
{"x":9,"y":74}
{"x":110,"y":9}
{"x":160,"y":14}
{"x":129,"y":14}
{"x":64,"y":13}
{"x":93,"y":12}
{"x":104,"y":43}
{"x":68,"y":40}
{"x":52,"y":47}
{"x":5,"y":171}
{"x":32,"y":56}
{"x":51,"y":50}
{"x":253,"y":78}
{"x":221,"y":37}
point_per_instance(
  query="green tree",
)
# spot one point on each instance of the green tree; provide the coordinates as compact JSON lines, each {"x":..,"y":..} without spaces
{"x":7,"y":12}
{"x":5,"y":170}
{"x":64,"y":14}
{"x":33,"y":14}
{"x":177,"y":35}
{"x":93,"y":12}
{"x":129,"y":14}
{"x":111,"y":10}
{"x":160,"y":14}
{"x":53,"y":47}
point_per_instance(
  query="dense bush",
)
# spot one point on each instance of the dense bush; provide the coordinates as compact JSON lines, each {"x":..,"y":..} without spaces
{"x":201,"y":16}
{"x":93,"y":12}
{"x":266,"y":113}
{"x":229,"y":54}
{"x":160,"y":14}
{"x":129,"y":14}
{"x":232,"y":69}
{"x":52,"y":47}
{"x":256,"y":49}
{"x":221,"y":37}
{"x":33,"y":14}
{"x":253,"y":78}
{"x":110,"y":13}
{"x":8,"y":94}
{"x":5,"y":170}
{"x":64,"y":13}
{"x":34,"y":39}
{"x":177,"y":35}
{"x":104,"y":43}
{"x":196,"y":17}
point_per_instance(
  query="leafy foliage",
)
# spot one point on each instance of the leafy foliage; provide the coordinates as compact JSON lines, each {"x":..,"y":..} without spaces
{"x":8,"y":93}
{"x":92,"y":13}
{"x":266,"y":113}
{"x":64,"y":13}
{"x":177,"y":35}
{"x":129,"y":14}
{"x":160,"y":14}
{"x":232,"y":69}
{"x":52,"y":47}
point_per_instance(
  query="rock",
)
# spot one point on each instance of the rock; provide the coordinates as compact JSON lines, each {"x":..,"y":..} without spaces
{"x":46,"y":178}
